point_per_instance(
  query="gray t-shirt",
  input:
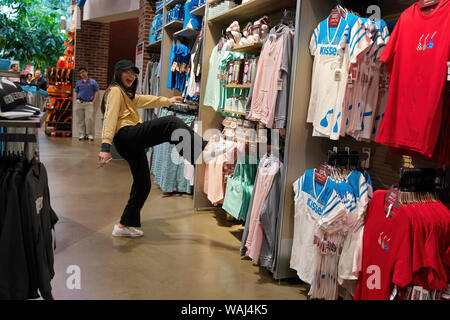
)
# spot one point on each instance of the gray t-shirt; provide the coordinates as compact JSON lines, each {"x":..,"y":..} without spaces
{"x":269,"y":221}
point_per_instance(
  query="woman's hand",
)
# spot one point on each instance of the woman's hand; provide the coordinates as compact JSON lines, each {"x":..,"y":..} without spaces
{"x":103,"y":157}
{"x":177,"y":99}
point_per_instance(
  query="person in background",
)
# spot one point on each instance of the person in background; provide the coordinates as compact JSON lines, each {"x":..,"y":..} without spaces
{"x":14,"y":68}
{"x":39,"y":81}
{"x":28,"y":79}
{"x":86,"y":94}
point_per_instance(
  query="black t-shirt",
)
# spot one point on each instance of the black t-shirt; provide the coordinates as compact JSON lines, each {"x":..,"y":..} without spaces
{"x":40,"y":83}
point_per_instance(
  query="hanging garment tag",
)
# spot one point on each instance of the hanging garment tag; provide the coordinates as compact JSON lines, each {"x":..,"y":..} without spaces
{"x":174,"y":66}
{"x":391,"y":201}
{"x":321,"y":174}
{"x":338,"y":75}
{"x":349,"y":81}
{"x":323,"y":249}
{"x":280,"y":84}
{"x":354,"y":73}
{"x":334,"y":19}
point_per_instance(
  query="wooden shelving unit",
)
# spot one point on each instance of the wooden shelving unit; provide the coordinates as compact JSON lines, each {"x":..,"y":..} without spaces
{"x":188,"y":32}
{"x":235,"y":112}
{"x":211,"y":119}
{"x":155,"y":45}
{"x":174,"y":26}
{"x":200,"y":11}
{"x":253,"y":9}
{"x":255,"y":48}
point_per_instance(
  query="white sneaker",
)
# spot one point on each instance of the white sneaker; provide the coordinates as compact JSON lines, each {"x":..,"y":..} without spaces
{"x":126,"y":232}
{"x":82,"y":137}
{"x":91,"y":138}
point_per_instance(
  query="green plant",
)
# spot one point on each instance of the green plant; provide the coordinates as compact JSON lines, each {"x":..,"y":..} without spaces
{"x":30,"y":31}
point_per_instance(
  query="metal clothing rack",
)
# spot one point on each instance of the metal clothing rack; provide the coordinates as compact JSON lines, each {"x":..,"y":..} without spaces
{"x":27,"y":137}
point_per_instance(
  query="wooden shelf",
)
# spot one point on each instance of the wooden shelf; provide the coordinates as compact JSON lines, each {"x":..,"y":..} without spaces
{"x":175,"y":25}
{"x":253,"y":9}
{"x":235,"y":112}
{"x":187,"y":33}
{"x":170,"y":4}
{"x":154,"y":45}
{"x":159,"y":30}
{"x":200,"y":11}
{"x":238,"y":86}
{"x":255,"y":48}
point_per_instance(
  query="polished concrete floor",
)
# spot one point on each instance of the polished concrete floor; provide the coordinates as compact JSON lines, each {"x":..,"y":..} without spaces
{"x":183,"y":255}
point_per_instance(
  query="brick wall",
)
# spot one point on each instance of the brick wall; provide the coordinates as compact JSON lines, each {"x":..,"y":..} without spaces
{"x":92,"y":44}
{"x":146,"y":15}
{"x":92,"y":50}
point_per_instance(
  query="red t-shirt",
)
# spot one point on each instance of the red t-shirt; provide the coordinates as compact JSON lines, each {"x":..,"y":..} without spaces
{"x":387,"y":251}
{"x":444,"y":244}
{"x":416,"y":57}
{"x":428,"y":269}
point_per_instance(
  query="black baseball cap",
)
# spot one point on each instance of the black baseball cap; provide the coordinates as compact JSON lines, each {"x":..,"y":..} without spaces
{"x":125,"y":65}
{"x":13,"y":101}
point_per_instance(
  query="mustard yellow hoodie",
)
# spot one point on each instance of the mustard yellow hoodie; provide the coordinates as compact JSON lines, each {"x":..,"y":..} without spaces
{"x":121,"y":111}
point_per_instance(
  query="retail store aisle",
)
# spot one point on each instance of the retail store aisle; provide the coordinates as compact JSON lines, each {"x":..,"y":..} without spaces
{"x":183,"y":255}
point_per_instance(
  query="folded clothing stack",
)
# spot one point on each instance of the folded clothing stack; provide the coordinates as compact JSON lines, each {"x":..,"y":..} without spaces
{"x":155,"y":29}
{"x":191,"y":21}
{"x":221,"y":7}
{"x":159,"y":5}
{"x":188,"y":107}
{"x":176,"y":13}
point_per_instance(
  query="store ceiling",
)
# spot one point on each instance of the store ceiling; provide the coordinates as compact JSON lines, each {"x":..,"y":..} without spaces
{"x":110,"y":10}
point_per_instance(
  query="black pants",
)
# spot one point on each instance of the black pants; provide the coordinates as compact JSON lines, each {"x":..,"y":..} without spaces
{"x":131,"y":142}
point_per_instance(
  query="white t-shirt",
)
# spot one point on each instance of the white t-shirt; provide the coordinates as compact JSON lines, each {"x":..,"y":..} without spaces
{"x":327,"y":45}
{"x":362,"y":193}
{"x":365,"y":89}
{"x":316,"y":210}
{"x":358,"y":42}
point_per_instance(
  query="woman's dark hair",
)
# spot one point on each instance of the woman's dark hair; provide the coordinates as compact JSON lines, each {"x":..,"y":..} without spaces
{"x":117,"y":81}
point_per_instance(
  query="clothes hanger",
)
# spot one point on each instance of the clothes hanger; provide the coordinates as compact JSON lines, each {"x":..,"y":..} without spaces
{"x":423,"y":4}
{"x":428,"y":6}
